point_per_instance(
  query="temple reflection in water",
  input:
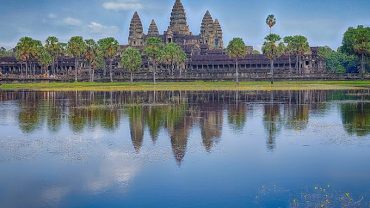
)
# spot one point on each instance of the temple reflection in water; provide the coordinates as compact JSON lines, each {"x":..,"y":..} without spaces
{"x":177,"y":113}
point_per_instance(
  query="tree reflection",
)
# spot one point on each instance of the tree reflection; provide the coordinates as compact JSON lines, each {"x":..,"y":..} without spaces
{"x":356,"y":118}
{"x":272,"y":122}
{"x":135,"y":114}
{"x":178,"y":112}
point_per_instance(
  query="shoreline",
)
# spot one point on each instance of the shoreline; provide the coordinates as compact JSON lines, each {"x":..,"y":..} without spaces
{"x":188,"y":86}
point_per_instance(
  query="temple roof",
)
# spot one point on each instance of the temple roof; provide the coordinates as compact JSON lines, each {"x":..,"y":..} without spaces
{"x":136,"y":27}
{"x":178,"y":23}
{"x":153,"y":29}
{"x":207,"y":23}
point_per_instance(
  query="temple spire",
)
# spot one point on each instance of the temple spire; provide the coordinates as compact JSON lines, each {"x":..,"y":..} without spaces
{"x":136,"y":35}
{"x":153,"y":29}
{"x":219,"y":42}
{"x":178,"y":23}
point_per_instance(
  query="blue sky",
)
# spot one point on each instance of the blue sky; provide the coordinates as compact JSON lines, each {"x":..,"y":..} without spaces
{"x":322,"y":21}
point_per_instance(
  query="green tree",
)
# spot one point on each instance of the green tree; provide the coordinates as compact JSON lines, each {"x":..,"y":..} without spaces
{"x":36,"y":51}
{"x":173,"y":55}
{"x":45,"y":59}
{"x":131,"y":60}
{"x":289,"y":50}
{"x":76,"y":48}
{"x":153,"y":50}
{"x":92,"y":56}
{"x":109,"y":48}
{"x":361,"y":45}
{"x":336,"y":61}
{"x":6,"y":53}
{"x":271,"y":21}
{"x":236,"y":50}
{"x":300,"y":48}
{"x":54,"y":48}
{"x":272,"y":48}
{"x":23,"y":51}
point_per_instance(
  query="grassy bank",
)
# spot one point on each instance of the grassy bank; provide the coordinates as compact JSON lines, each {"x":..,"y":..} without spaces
{"x":189,"y":86}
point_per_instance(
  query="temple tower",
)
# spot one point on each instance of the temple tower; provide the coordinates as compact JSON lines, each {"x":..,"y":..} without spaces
{"x":178,"y":23}
{"x":219,"y":42}
{"x":207,"y":31}
{"x":153,"y":29}
{"x":136,"y":35}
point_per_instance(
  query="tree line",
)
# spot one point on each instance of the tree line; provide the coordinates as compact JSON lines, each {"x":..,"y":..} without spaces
{"x":350,"y":57}
{"x":96,"y":55}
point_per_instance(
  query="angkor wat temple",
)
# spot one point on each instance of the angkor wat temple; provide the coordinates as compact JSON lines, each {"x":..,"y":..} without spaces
{"x":207,"y":58}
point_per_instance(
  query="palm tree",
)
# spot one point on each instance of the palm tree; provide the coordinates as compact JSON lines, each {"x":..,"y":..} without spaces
{"x":109,"y":48}
{"x":45,"y":59}
{"x":301,"y":47}
{"x":272,"y":48}
{"x":36,"y":51}
{"x":271,"y":21}
{"x":91,"y":54}
{"x":23,"y":51}
{"x":289,"y":50}
{"x":236,"y":50}
{"x":361,"y":46}
{"x":131,"y":60}
{"x":54,"y":48}
{"x":153,"y":50}
{"x":76,"y":48}
{"x":172,"y":54}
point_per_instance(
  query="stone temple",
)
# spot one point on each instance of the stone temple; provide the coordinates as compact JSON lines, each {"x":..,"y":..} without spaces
{"x":206,"y":51}
{"x":210,"y":37}
{"x":206,"y":55}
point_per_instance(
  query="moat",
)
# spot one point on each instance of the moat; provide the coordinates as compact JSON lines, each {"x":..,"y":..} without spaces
{"x":185,"y":149}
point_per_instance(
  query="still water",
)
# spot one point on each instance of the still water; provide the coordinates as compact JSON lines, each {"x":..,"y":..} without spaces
{"x":185,"y":149}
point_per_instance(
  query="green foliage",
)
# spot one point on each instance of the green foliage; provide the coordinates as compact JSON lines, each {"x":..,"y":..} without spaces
{"x":108,"y":47}
{"x":6,"y":53}
{"x":271,"y":21}
{"x":92,"y":50}
{"x":289,"y":45}
{"x":153,"y":48}
{"x":300,"y":45}
{"x":53,"y":47}
{"x":76,"y":47}
{"x":355,"y":38}
{"x":172,"y":54}
{"x":236,"y":48}
{"x":131,"y":59}
{"x":336,"y":61}
{"x":45,"y":58}
{"x":272,"y":47}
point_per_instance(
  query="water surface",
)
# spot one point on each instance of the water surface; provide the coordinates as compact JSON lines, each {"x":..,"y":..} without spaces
{"x":185,"y":149}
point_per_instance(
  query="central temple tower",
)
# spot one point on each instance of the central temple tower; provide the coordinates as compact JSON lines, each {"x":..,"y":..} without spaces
{"x":178,"y":23}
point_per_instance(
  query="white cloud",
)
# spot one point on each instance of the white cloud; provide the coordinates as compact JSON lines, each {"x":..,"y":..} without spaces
{"x":122,"y":6}
{"x":71,"y":21}
{"x":98,"y":28}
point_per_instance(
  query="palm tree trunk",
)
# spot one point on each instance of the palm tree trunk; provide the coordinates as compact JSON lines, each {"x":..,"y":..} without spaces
{"x":272,"y":70}
{"x":237,"y":70}
{"x":297,"y":64}
{"x":53,"y":67}
{"x":362,"y":66}
{"x":92,"y":75}
{"x":172,"y":70}
{"x":26,"y":68}
{"x":76,"y":69}
{"x":110,"y":70}
{"x":131,"y":78}
{"x":290,"y":64}
{"x":154,"y":72}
